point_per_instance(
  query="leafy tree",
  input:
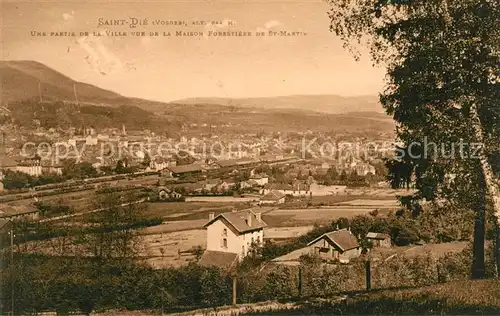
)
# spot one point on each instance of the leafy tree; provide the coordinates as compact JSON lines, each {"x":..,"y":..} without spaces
{"x":16,"y":180}
{"x":215,"y":287}
{"x":120,"y":168}
{"x":147,"y":160}
{"x":74,"y":170}
{"x":279,"y":283}
{"x":442,"y":64}
{"x":113,"y":229}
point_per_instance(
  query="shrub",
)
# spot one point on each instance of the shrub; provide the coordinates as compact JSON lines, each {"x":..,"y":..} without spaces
{"x":280,"y":283}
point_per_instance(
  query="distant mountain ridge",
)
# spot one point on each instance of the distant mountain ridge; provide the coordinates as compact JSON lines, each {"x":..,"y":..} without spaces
{"x":23,"y":81}
{"x":333,"y":104}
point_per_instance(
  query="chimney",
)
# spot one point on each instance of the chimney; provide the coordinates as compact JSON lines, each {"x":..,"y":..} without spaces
{"x":259,"y":216}
{"x":211,"y":216}
{"x":249,"y":219}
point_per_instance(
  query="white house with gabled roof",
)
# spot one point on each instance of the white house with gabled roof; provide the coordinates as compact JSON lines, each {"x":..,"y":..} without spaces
{"x":235,"y":232}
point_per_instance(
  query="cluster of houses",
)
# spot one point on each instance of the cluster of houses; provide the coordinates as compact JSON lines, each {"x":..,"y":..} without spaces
{"x":231,"y":237}
{"x":31,"y":166}
{"x":271,"y":193}
{"x":228,"y":165}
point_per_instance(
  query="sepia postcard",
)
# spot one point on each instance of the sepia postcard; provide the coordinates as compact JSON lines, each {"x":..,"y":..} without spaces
{"x":249,"y":157}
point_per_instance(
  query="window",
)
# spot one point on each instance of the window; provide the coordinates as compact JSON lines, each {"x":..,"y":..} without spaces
{"x":258,"y":240}
{"x":243,"y":250}
{"x":224,"y":243}
{"x":224,"y":232}
{"x":252,"y":240}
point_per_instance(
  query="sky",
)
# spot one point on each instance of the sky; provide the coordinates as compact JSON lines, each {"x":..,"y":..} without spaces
{"x":171,"y":68}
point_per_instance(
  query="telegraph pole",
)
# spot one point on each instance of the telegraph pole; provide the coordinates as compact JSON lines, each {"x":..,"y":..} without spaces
{"x":234,"y":290}
{"x":76,"y":94}
{"x":12,"y":268}
{"x":40,"y":91}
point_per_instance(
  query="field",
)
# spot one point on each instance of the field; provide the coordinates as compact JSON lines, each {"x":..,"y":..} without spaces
{"x":286,"y":232}
{"x":174,"y":246}
{"x":311,"y":216}
{"x":221,"y":199}
{"x":177,"y":211}
{"x":182,"y":228}
{"x":171,"y":243}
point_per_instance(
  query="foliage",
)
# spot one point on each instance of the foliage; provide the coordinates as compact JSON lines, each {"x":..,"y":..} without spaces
{"x":280,"y":283}
{"x":215,"y":289}
{"x":77,"y":170}
{"x":64,"y":115}
{"x":49,"y":210}
{"x":19,"y":180}
{"x":318,"y":279}
{"x":434,"y":225}
{"x":442,"y":90}
{"x":106,"y":241}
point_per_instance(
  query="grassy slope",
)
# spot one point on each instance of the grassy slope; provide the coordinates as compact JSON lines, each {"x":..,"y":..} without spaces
{"x":454,"y":298}
{"x":463,"y":297}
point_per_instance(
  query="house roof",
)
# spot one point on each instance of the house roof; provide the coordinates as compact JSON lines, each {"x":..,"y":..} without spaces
{"x":278,"y":186}
{"x":259,"y":176}
{"x":163,"y":188}
{"x":220,"y":259}
{"x":6,"y":162}
{"x":252,"y":182}
{"x":372,"y":235}
{"x":193,"y":186}
{"x":236,"y":162}
{"x":14,"y":210}
{"x":50,"y":163}
{"x":266,"y":158}
{"x":343,"y":238}
{"x":273,"y":196}
{"x":318,"y":162}
{"x":185,"y":168}
{"x":239,"y":220}
{"x":213,"y":181}
{"x":4,"y":223}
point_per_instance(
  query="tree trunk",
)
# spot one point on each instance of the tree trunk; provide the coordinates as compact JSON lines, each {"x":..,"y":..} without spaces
{"x":478,"y":266}
{"x":491,"y":192}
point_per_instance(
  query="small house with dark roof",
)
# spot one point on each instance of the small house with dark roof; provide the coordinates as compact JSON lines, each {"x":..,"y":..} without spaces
{"x":235,"y":232}
{"x":165,"y":193}
{"x":273,"y":197}
{"x":379,"y":239}
{"x":340,"y":245}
